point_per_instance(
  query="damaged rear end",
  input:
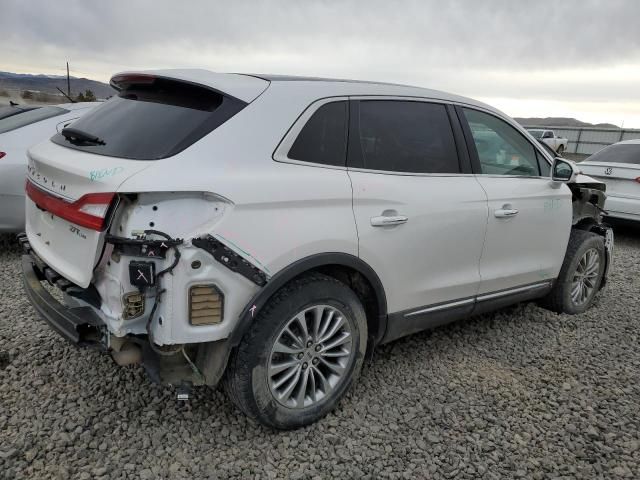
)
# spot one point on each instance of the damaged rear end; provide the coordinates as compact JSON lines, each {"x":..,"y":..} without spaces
{"x":588,"y":201}
{"x":136,"y":256}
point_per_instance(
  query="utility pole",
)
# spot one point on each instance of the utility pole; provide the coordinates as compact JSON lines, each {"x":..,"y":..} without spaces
{"x":68,"y":83}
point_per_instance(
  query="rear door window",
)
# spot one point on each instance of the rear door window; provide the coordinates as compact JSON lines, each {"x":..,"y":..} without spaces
{"x":323,"y":139}
{"x":406,"y":136}
{"x":27,"y":117}
{"x":153,"y":119}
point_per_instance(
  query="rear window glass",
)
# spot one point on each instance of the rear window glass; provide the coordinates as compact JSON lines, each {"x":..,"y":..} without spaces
{"x":27,"y":117}
{"x":8,"y":111}
{"x":324,"y":137}
{"x":629,"y":153}
{"x":153,"y":120}
{"x":405,"y":136}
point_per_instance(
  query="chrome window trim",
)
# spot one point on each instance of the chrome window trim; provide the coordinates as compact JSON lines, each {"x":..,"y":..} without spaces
{"x":495,"y":175}
{"x":409,"y":174}
{"x":281,"y":151}
{"x":401,"y":98}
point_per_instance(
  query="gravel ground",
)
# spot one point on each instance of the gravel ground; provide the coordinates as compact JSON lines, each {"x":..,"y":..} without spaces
{"x":522,"y":393}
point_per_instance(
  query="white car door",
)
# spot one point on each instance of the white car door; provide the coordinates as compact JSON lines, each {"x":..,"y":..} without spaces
{"x":529,"y":215}
{"x":421,"y":221}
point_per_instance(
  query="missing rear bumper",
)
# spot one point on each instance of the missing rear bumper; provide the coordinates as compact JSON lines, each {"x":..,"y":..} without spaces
{"x":79,"y":325}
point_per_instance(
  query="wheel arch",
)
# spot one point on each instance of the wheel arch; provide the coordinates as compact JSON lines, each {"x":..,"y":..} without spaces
{"x":589,"y":224}
{"x":349,"y":269}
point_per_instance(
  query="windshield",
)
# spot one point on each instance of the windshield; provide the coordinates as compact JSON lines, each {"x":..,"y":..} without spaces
{"x":618,"y":153}
{"x":27,"y":117}
{"x":536,"y":133}
{"x":151,"y":120}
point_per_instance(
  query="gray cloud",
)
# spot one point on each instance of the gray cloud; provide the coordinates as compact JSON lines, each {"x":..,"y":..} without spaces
{"x":456,"y":45}
{"x":471,"y":33}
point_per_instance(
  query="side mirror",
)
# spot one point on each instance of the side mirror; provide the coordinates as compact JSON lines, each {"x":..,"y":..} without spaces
{"x":564,"y":170}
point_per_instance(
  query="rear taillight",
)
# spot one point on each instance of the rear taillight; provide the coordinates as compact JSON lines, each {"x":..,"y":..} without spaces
{"x":89,"y":211}
{"x":3,"y":154}
{"x":637,"y":179}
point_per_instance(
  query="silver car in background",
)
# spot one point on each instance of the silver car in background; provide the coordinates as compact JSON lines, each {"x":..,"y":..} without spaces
{"x":20,"y":128}
{"x":618,"y":166}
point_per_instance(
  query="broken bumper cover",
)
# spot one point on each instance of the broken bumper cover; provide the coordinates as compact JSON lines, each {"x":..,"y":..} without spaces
{"x":78,"y":325}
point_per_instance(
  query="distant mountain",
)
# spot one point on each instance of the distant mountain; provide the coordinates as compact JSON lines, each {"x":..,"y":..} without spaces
{"x":560,"y":122}
{"x":48,"y":84}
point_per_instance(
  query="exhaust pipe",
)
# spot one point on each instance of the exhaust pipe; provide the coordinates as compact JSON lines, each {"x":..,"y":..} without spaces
{"x":129,"y":354}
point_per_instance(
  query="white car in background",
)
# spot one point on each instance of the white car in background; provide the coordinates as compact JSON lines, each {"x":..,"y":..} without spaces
{"x":20,"y":128}
{"x":549,"y":137}
{"x":618,"y":166}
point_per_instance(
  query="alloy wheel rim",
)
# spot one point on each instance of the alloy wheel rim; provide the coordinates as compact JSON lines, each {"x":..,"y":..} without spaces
{"x":310,"y":356}
{"x":585,"y":277}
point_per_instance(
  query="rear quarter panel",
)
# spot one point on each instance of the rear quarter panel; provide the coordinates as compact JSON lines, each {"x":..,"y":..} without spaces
{"x":279,"y":212}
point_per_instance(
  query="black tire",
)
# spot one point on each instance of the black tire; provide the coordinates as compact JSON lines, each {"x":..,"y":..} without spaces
{"x":247,"y":381}
{"x":559,"y":300}
{"x":560,"y":150}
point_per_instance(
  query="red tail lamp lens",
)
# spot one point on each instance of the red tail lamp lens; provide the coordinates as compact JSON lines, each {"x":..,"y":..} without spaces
{"x":89,"y":211}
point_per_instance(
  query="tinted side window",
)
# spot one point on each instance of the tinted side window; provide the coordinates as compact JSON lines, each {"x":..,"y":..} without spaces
{"x":404,"y":136}
{"x":323,"y":139}
{"x":502,"y":150}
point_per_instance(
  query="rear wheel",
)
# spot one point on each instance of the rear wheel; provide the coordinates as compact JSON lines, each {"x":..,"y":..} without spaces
{"x":301,"y":355}
{"x":580,"y":276}
{"x":560,"y":150}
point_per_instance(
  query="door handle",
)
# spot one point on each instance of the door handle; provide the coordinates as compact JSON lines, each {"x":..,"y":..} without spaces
{"x":385,"y":221}
{"x":505,"y":213}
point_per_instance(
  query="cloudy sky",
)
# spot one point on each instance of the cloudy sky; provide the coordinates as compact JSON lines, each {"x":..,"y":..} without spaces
{"x":574,"y":58}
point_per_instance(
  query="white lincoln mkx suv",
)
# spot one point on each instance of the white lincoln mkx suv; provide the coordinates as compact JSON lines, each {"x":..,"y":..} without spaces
{"x":269,"y":231}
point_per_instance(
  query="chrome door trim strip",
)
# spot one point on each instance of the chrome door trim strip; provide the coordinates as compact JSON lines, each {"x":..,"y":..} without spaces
{"x":479,"y":298}
{"x":510,"y":291}
{"x":442,"y":306}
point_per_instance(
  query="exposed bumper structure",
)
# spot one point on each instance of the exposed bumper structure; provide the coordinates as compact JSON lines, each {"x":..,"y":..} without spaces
{"x":79,"y":325}
{"x":83,"y":327}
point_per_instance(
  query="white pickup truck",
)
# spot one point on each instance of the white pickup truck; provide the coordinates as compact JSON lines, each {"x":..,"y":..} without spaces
{"x":558,"y":144}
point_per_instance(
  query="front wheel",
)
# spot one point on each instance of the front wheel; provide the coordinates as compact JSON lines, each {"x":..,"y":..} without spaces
{"x":301,"y":355}
{"x":580,"y":276}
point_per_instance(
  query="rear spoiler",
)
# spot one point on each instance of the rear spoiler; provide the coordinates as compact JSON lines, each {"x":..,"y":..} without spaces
{"x":242,"y":87}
